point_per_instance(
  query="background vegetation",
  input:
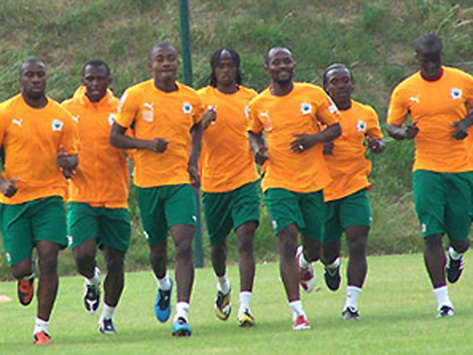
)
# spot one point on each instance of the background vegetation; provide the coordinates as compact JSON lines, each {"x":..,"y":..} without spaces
{"x":374,"y":38}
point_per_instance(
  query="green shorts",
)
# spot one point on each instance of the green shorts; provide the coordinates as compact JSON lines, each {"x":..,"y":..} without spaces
{"x":25,"y":224}
{"x":444,"y":203}
{"x":305,"y":210}
{"x":226,"y":210}
{"x":109,"y":226}
{"x":351,"y":210}
{"x":162,"y":207}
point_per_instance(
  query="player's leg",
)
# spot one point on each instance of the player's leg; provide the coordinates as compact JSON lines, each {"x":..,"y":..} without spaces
{"x":181,"y":215}
{"x":217,"y":212}
{"x":245,"y":216}
{"x":283,"y":207}
{"x":313,"y":212}
{"x":458,"y":219}
{"x":430,"y":201}
{"x":115,"y":239}
{"x":83,"y":229}
{"x":331,"y":245}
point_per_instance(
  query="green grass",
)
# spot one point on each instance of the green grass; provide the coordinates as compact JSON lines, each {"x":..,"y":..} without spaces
{"x":397,"y":309}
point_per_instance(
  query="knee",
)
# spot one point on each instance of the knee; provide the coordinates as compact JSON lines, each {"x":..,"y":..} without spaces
{"x":288,"y":243}
{"x":218,"y":248}
{"x":356,"y":245}
{"x":184,"y":249}
{"x":115,"y":265}
{"x":84,"y":257}
{"x":246,"y":229}
{"x":48,"y":264}
{"x":433,"y":242}
{"x":21,"y":270}
{"x":245,"y":244}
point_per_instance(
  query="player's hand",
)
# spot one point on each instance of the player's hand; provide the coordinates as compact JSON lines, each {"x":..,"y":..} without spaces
{"x":261,"y":155}
{"x":209,"y":117}
{"x":375,"y":145}
{"x":411,"y":130}
{"x":461,"y":131}
{"x":158,"y":145}
{"x":328,"y":148}
{"x":301,"y":143}
{"x":194,"y":175}
{"x":62,"y":161}
{"x":8,"y":188}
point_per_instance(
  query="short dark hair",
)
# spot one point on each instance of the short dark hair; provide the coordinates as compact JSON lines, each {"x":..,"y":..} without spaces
{"x":30,"y":61}
{"x":215,"y":61}
{"x":266,"y":56}
{"x":332,"y":67}
{"x":428,"y":44}
{"x":96,"y":63}
{"x":162,"y":45}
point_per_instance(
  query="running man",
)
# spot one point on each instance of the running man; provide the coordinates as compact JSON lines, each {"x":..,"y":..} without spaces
{"x":347,"y":203}
{"x":166,"y":117}
{"x":438,"y":100}
{"x":40,"y":144}
{"x":97,"y":210}
{"x":230,"y":188}
{"x":290,"y":114}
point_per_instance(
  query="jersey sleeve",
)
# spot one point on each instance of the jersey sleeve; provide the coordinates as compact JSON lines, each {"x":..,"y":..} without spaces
{"x":254,"y":123}
{"x":3,"y":123}
{"x":70,"y":138}
{"x":127,"y":109}
{"x":326,"y":112}
{"x":397,"y":110}
{"x":373,"y":130}
{"x":469,"y":90}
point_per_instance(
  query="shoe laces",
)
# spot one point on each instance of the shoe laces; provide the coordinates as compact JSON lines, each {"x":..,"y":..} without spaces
{"x":164,"y":298}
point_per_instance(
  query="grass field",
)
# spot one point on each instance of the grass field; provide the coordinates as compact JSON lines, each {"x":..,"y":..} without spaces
{"x":397,"y":317}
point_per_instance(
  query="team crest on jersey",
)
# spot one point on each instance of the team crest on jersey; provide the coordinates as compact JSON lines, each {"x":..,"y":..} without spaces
{"x":456,"y":93}
{"x":361,"y":126}
{"x":306,"y":108}
{"x":57,"y":125}
{"x":148,"y":112}
{"x":111,"y":119}
{"x":186,"y":107}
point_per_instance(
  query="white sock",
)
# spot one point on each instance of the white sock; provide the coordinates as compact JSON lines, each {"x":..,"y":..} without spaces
{"x":182,"y":310}
{"x":441,"y":294}
{"x":303,"y":262}
{"x":353,"y":293}
{"x":296,"y":308}
{"x":245,"y":300}
{"x":335,"y":264}
{"x":164,"y":283}
{"x":453,"y":254}
{"x":223,"y":285}
{"x":95,"y":280}
{"x":40,"y":326}
{"x":107,"y":311}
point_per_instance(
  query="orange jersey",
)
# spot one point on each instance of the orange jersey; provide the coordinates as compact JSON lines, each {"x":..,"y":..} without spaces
{"x":303,"y":110}
{"x":102,"y":176}
{"x":31,"y":139}
{"x":171,"y":116}
{"x":348,"y":166}
{"x":435,"y":106}
{"x":227,"y":161}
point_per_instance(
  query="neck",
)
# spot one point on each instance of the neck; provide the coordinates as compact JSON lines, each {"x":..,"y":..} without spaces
{"x":227,"y":89}
{"x":165,"y":85}
{"x":433,"y":78}
{"x":35,"y":103}
{"x":342,"y":104}
{"x":94,"y":100}
{"x":281,"y":89}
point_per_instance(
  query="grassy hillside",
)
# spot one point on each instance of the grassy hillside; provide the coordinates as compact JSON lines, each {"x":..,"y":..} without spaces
{"x":374,"y":38}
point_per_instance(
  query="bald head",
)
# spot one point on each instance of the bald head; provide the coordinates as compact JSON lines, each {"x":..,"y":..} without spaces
{"x":428,"y":44}
{"x":36,"y":61}
{"x":273,"y":51}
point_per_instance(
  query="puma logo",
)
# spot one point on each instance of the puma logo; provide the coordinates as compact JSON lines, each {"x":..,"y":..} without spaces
{"x":18,"y":122}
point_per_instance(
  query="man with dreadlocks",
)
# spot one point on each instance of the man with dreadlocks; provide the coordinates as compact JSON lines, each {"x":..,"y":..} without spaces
{"x":230,"y":194}
{"x":347,"y":203}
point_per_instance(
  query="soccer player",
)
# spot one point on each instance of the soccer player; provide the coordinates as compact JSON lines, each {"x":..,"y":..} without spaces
{"x":98,"y":192}
{"x":230,"y":188}
{"x":289,"y":114}
{"x":40,"y":144}
{"x":347,"y":203}
{"x":438,"y":100}
{"x":166,"y":117}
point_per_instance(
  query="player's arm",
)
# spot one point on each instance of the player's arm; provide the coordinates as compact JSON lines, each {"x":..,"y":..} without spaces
{"x":8,"y":187}
{"x":119,"y":139}
{"x":259,"y":147}
{"x":67,"y":162}
{"x":374,"y":136}
{"x":196,"y":145}
{"x":397,"y":131}
{"x":306,"y":141}
{"x":462,"y":126}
